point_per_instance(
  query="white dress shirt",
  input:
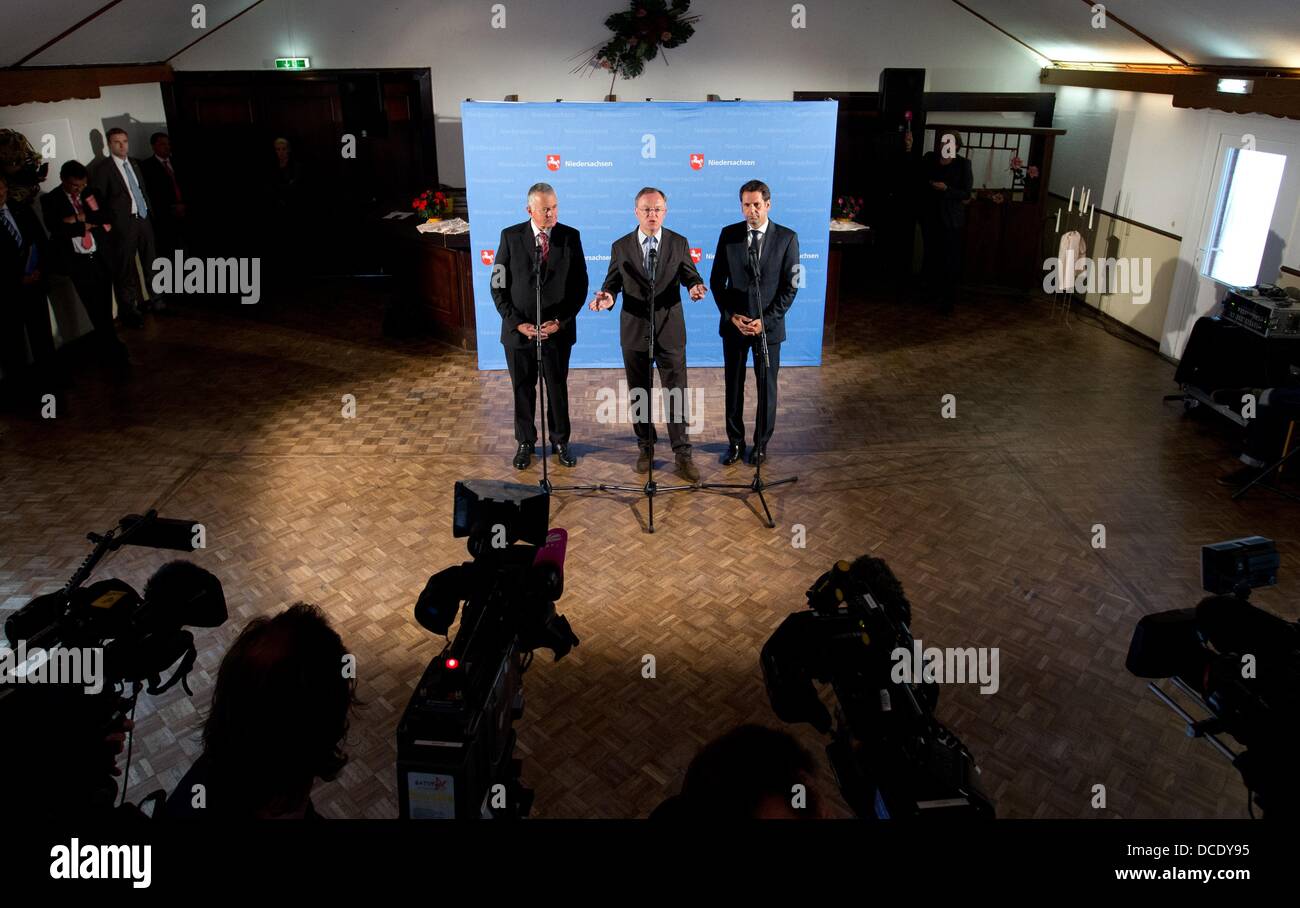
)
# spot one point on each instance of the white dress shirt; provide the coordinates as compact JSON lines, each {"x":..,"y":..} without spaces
{"x":122,"y":164}
{"x":76,"y":240}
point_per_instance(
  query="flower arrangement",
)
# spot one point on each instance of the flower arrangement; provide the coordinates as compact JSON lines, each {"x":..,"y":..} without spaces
{"x":846,"y":208}
{"x":639,"y":34}
{"x":1020,"y":174}
{"x":432,"y":205}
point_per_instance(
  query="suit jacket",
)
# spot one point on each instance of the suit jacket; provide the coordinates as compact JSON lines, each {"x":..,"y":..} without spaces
{"x":55,"y":207}
{"x":627,"y":275}
{"x":110,"y":186}
{"x":13,"y":257}
{"x":564,"y":282}
{"x":158,"y":182}
{"x":729,"y":281}
{"x":945,"y":205}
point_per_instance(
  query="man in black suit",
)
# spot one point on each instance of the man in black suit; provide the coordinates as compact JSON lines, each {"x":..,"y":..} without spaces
{"x":119,"y":186}
{"x":514,"y":291}
{"x":77,"y":221}
{"x":744,"y":315}
{"x":24,"y":311}
{"x":629,"y":264}
{"x":162,"y":186}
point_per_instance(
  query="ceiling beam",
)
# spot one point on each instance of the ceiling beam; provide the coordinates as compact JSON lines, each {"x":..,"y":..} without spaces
{"x":1275,"y":96}
{"x":63,"y":34}
{"x":59,"y":83}
{"x":992,"y":24}
{"x":1156,"y":44}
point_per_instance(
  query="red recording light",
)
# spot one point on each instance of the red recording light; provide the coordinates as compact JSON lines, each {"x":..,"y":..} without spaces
{"x":453,"y":663}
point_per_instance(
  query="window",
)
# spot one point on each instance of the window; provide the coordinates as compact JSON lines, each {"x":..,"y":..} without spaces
{"x":1242,"y":215}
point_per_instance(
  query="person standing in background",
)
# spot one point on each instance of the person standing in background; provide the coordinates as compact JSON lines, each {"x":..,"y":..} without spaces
{"x":947,"y":184}
{"x":79,"y":234}
{"x":119,"y":185}
{"x":24,"y":310}
{"x":164,"y":187}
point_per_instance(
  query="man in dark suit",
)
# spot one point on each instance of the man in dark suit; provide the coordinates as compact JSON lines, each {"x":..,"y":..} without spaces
{"x":629,"y":264}
{"x":24,"y":311}
{"x":162,"y":186}
{"x":514,"y":291}
{"x":744,"y":314}
{"x":77,"y":222}
{"x":119,"y":186}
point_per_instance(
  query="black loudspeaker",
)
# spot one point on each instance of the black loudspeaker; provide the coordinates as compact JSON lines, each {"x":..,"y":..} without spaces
{"x":362,"y":100}
{"x":902,"y":91}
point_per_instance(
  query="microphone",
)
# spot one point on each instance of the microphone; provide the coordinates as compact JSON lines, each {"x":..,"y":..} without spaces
{"x":549,"y":561}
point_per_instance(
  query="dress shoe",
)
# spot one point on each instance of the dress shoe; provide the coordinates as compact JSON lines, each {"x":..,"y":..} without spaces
{"x":734,"y":453}
{"x":523,"y":457}
{"x":1240,"y":477}
{"x":686,"y":468}
{"x":757,"y":455}
{"x":643,"y":461}
{"x":563,"y":455}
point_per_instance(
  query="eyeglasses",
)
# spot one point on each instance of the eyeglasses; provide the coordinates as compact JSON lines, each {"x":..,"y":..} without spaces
{"x":651,"y":210}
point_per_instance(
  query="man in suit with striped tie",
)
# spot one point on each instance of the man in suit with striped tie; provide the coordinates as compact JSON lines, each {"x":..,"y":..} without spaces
{"x":514,"y":292}
{"x":744,"y":313}
{"x":631,"y":258}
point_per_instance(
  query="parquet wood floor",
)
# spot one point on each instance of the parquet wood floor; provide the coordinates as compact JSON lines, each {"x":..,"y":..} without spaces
{"x":234,"y":419}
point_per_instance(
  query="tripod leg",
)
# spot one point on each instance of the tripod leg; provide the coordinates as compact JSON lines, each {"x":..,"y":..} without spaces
{"x":771,"y":524}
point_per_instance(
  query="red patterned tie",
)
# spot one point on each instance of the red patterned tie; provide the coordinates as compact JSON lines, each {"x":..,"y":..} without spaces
{"x":546,"y":245}
{"x":86,"y":241}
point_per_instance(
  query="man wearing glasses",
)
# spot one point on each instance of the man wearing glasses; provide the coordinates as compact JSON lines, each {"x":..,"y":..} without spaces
{"x":630,"y":261}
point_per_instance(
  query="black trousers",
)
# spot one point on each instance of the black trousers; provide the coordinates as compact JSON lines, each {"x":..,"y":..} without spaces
{"x":522,"y":363}
{"x":25,"y":315}
{"x":92,"y":276}
{"x":943,"y":258}
{"x":134,"y":236}
{"x":735,"y":352}
{"x":672,"y":377}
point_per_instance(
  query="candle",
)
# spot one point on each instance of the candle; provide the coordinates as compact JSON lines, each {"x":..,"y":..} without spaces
{"x":1090,"y":211}
{"x":1071,"y":205}
{"x":1084,"y":200}
{"x":1058,"y":220}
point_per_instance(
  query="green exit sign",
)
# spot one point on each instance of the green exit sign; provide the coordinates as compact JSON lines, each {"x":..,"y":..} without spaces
{"x":292,"y":62}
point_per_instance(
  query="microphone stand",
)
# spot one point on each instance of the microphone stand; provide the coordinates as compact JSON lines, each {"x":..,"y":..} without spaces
{"x":545,"y":483}
{"x":762,"y":362}
{"x":650,"y":489}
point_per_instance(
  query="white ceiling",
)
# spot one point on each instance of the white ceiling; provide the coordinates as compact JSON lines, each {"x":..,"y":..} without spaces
{"x":133,"y":31}
{"x":1220,"y":32}
{"x":1217,"y":32}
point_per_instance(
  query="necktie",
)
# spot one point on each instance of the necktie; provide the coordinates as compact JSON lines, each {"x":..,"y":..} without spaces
{"x":140,"y":207}
{"x":176,"y":187}
{"x":650,"y":243}
{"x":11,"y":227}
{"x":756,"y":241}
{"x":86,"y":241}
{"x":546,"y":244}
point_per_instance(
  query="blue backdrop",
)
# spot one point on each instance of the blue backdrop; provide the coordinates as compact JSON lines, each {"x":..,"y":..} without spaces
{"x":598,"y":155}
